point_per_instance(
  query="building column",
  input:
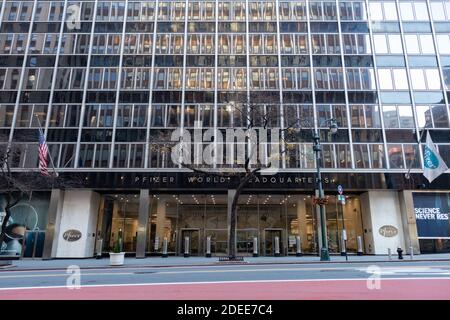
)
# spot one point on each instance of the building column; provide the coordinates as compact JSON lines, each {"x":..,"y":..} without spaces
{"x":161,"y":219}
{"x":144,"y":210}
{"x":382,"y":221}
{"x":54,"y":220}
{"x":409,"y":221}
{"x":78,"y":223}
{"x":230,"y":197}
{"x":301,"y":218}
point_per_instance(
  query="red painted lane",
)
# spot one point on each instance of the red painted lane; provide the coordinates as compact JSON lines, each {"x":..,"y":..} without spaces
{"x":432,"y":289}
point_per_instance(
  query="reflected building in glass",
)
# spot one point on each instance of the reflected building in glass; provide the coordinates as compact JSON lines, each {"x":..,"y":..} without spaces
{"x":111,"y":80}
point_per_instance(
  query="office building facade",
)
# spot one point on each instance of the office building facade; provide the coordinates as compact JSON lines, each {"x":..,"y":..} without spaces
{"x":110,"y":81}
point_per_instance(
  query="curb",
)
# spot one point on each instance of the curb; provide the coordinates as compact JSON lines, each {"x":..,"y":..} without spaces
{"x":218,"y":264}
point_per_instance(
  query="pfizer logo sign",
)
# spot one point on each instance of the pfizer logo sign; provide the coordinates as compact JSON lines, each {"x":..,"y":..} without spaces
{"x":388,"y":231}
{"x":72,"y":235}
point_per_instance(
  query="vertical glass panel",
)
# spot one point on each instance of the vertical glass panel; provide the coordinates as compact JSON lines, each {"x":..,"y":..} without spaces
{"x":376,"y":12}
{"x":426,"y":43}
{"x":400,"y":79}
{"x":417,"y":79}
{"x":395,"y":155}
{"x":384,"y":77}
{"x":406,"y":11}
{"x":412,"y":44}
{"x":433,"y":79}
{"x":390,"y":117}
{"x":390,"y":11}
{"x":380,"y":44}
{"x":395,"y":43}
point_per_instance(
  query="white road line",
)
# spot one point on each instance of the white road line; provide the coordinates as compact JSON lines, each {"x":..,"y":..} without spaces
{"x":213,"y":282}
{"x":63,"y":275}
{"x":384,"y":270}
{"x":224,"y":268}
{"x":294,"y":266}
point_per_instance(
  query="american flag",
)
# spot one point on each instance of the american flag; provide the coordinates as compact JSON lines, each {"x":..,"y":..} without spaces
{"x":43,"y":155}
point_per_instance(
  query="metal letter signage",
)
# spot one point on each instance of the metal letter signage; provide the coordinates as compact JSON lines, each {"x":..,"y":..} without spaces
{"x":388,"y":231}
{"x":72,"y":235}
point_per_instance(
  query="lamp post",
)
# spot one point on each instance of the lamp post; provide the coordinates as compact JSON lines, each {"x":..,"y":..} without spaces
{"x":317,"y":148}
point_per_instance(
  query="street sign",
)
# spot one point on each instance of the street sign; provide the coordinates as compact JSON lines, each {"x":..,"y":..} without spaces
{"x":340,"y":189}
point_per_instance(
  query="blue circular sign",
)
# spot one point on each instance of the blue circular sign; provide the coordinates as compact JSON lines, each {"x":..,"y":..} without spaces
{"x":340,"y":189}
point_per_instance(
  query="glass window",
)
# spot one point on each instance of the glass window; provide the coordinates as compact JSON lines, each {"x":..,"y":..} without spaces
{"x":426,"y":43}
{"x":395,"y":43}
{"x":400,"y":79}
{"x":433,"y":79}
{"x":412,"y":44}
{"x":395,"y":154}
{"x":443,"y":42}
{"x":423,"y":116}
{"x":384,"y":77}
{"x":380,"y":44}
{"x":406,"y":118}
{"x":377,"y":156}
{"x":390,"y":117}
{"x":406,"y":11}
{"x":437,"y":11}
{"x":421,"y":11}
{"x":417,"y":79}
{"x":376,"y":12}
{"x":361,"y":154}
{"x":390,"y":11}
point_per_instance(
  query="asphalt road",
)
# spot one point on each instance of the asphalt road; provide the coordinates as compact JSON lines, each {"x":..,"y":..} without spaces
{"x":412,"y":280}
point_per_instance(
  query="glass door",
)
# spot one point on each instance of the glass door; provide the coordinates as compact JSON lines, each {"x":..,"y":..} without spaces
{"x":194,"y":241}
{"x":269,"y":241}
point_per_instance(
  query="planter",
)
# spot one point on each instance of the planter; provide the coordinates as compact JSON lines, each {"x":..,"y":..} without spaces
{"x":116,"y":259}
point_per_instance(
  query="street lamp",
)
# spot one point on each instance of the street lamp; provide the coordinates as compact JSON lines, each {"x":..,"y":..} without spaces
{"x":317,"y":148}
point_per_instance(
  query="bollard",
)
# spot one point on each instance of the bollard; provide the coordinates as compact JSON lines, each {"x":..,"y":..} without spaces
{"x":343,"y":246}
{"x":277,"y":247}
{"x":399,"y":252}
{"x":164,"y":251}
{"x":156,"y":244}
{"x":99,"y":248}
{"x":208,"y":247}
{"x":360,"y":249}
{"x":186,"y":247}
{"x":298,"y":244}
{"x":389,"y":254}
{"x":411,"y":252}
{"x":255,"y":246}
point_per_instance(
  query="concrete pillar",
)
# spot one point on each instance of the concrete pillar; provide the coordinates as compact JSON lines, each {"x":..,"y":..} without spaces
{"x":230,"y":197}
{"x":144,"y":211}
{"x":302,"y":223}
{"x":54,"y":220}
{"x":409,"y":221}
{"x":381,"y":211}
{"x":161,"y":218}
{"x":79,"y":216}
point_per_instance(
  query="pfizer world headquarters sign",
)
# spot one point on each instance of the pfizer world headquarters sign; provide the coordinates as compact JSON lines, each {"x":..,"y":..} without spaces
{"x":432,"y":211}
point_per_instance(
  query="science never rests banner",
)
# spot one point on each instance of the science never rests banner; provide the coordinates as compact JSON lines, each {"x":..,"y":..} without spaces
{"x":432,"y":211}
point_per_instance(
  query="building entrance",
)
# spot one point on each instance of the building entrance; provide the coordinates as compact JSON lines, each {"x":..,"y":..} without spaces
{"x":270,"y":240}
{"x":198,"y":216}
{"x":190,"y":238}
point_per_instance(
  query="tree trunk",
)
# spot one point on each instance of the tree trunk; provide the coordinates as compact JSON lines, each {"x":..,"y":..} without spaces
{"x":233,"y":215}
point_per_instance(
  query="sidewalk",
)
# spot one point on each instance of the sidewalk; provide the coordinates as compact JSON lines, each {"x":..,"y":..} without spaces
{"x":29,"y":264}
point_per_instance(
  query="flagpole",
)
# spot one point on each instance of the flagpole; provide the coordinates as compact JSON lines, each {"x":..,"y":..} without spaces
{"x":49,"y":153}
{"x":424,"y":129}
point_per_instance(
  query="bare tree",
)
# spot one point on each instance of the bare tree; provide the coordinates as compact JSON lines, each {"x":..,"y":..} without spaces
{"x":17,"y":185}
{"x":255,"y":116}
